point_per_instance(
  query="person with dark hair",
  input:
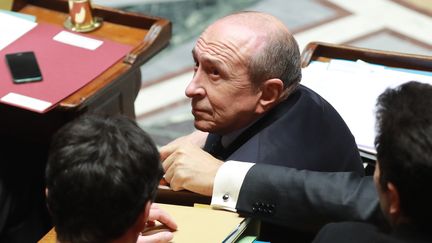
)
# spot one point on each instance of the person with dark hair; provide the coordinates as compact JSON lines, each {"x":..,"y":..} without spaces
{"x":403,"y":173}
{"x":246,"y":94}
{"x":101,"y":179}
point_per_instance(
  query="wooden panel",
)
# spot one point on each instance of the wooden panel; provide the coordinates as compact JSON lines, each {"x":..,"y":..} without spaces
{"x":325,"y":51}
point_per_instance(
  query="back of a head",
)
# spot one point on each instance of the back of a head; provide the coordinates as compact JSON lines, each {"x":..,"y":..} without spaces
{"x":404,"y":147}
{"x":280,"y":56}
{"x":100,"y":173}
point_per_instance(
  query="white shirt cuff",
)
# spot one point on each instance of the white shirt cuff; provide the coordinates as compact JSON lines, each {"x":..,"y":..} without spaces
{"x":228,"y":181}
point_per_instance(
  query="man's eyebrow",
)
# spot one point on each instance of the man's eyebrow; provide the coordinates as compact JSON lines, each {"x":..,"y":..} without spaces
{"x":213,"y":61}
{"x":209,"y":59}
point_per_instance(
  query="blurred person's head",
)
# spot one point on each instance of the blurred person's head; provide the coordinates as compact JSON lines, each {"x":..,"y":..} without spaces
{"x":101,"y":178}
{"x":403,"y":175}
{"x":245,"y":64}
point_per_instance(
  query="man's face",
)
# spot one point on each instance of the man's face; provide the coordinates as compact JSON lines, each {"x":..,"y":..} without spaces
{"x":223,"y":98}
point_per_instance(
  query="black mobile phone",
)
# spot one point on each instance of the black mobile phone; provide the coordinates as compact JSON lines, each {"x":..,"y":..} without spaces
{"x":23,"y":67}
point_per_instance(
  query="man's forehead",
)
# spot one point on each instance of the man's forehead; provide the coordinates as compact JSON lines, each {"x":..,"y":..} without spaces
{"x":208,"y":56}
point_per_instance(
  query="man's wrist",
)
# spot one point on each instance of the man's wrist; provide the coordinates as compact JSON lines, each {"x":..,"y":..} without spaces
{"x":227,"y":184}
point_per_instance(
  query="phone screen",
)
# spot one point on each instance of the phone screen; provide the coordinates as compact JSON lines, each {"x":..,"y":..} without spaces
{"x":23,"y":67}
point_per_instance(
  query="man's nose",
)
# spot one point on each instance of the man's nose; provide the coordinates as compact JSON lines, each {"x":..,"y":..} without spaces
{"x":195,"y":86}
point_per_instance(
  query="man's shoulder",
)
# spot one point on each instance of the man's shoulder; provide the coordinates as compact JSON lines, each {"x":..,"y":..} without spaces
{"x":347,"y":232}
{"x":310,"y":94}
{"x":354,"y":226}
{"x":305,"y":99}
{"x":355,"y":232}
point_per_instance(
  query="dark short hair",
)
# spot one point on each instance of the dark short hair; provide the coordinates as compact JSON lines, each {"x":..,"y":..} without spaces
{"x":404,"y":147}
{"x":280,"y":58}
{"x":100,"y":174}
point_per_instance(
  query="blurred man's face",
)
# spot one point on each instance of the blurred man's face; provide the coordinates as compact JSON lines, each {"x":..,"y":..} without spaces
{"x":223,"y":98}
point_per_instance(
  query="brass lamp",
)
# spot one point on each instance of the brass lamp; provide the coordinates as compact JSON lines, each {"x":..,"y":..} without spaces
{"x":81,"y":17}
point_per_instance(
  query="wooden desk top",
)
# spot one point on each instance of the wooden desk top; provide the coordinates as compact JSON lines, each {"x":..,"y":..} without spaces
{"x":146,"y":34}
{"x":50,"y":237}
{"x":195,"y":224}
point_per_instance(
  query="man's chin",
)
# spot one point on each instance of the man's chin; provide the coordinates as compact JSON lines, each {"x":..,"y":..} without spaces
{"x":203,"y":126}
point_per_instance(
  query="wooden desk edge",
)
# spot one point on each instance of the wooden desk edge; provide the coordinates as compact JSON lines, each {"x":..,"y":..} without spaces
{"x":321,"y":51}
{"x":185,"y":198}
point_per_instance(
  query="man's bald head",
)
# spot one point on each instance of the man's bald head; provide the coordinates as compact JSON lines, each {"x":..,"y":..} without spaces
{"x":275,"y":52}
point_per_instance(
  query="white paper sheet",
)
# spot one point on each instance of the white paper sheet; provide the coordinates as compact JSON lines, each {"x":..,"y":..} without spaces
{"x":12,"y":27}
{"x":26,"y":101}
{"x":77,"y":40}
{"x":352,"y":88}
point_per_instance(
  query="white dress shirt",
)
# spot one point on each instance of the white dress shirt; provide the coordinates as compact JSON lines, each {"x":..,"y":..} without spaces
{"x":228,"y":181}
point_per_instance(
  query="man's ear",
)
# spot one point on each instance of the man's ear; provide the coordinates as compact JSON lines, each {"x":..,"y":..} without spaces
{"x":393,"y":198}
{"x":46,"y":196}
{"x":134,"y":231}
{"x":271,"y":92}
{"x":143,"y":218}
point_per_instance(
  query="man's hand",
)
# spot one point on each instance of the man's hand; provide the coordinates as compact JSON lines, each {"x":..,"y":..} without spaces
{"x":197,"y":138}
{"x":189,"y":167}
{"x":157,"y":214}
{"x":158,"y":237}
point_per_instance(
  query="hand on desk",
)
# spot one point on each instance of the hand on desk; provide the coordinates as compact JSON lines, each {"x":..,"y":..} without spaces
{"x":157,"y":214}
{"x":189,"y":167}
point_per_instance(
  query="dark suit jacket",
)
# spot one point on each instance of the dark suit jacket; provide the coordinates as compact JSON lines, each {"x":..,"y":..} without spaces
{"x":362,"y":232}
{"x":303,"y":132}
{"x":5,"y":206}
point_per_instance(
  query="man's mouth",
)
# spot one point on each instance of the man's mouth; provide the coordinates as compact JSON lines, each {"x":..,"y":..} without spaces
{"x":198,"y":112}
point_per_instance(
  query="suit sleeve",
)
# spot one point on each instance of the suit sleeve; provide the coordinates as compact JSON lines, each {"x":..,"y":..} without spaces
{"x":306,"y":200}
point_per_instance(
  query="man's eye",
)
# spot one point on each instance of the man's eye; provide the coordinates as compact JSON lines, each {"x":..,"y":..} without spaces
{"x":215,"y":72}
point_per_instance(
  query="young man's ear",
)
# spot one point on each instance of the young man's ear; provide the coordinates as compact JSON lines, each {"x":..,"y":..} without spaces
{"x":46,"y":196}
{"x":143,"y":217}
{"x":393,"y":198}
{"x":133,"y":232}
{"x":271,"y":92}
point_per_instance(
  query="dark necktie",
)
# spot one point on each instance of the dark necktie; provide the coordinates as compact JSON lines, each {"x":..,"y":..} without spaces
{"x":214,"y":147}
